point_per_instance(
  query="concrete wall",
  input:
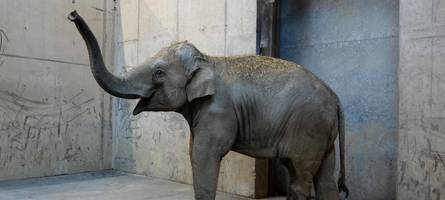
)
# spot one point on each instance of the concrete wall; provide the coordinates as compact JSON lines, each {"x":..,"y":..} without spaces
{"x":421,"y":166}
{"x":353,"y":46}
{"x":156,"y":144}
{"x":53,"y":117}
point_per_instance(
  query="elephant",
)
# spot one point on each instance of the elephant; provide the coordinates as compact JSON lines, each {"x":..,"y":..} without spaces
{"x":259,"y":106}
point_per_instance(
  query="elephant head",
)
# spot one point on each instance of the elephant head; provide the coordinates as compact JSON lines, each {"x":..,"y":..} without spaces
{"x":175,"y":76}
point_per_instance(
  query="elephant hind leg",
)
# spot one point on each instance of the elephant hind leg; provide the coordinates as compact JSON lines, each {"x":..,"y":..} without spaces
{"x":300,"y":180}
{"x":325,"y":185}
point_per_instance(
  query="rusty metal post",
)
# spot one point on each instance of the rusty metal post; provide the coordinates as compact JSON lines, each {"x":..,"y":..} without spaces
{"x":268,"y":45}
{"x":267,"y":18}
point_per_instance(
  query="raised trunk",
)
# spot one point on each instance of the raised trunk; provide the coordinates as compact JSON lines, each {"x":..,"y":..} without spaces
{"x":114,"y":85}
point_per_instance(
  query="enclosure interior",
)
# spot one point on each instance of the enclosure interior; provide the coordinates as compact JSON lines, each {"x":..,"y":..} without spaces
{"x":384,"y":59}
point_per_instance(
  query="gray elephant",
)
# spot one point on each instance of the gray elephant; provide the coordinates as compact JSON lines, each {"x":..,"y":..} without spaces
{"x":258,"y":106}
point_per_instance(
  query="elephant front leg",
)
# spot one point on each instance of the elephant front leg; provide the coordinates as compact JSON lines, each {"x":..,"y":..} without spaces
{"x":213,"y":137}
{"x":205,"y":168}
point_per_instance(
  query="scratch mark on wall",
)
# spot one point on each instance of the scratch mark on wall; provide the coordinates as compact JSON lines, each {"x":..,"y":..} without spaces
{"x":24,"y":120}
{"x":403,"y":170}
{"x":27,"y":137}
{"x":98,"y":9}
{"x":440,"y":158}
{"x":44,"y":59}
{"x":71,"y":152}
{"x":3,"y":40}
{"x":19,"y":100}
{"x":76,"y":95}
{"x":78,"y":115}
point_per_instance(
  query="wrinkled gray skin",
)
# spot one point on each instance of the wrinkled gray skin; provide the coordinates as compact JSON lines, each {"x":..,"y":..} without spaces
{"x":259,"y":106}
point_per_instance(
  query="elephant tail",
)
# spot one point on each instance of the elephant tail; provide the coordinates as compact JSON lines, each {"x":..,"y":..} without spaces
{"x":341,"y":134}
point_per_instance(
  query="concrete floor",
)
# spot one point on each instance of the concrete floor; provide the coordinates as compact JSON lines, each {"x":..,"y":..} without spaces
{"x":102,"y":185}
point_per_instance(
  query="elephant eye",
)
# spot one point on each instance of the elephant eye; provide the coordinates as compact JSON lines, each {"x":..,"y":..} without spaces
{"x":159,"y":74}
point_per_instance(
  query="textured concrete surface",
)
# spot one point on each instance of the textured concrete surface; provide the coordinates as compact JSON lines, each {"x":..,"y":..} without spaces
{"x":353,"y":46}
{"x":54,"y":119}
{"x":421,"y":166}
{"x":102,"y":185}
{"x":53,"y":122}
{"x":156,"y":144}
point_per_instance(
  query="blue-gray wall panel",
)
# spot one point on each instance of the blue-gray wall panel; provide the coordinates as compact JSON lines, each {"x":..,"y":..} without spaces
{"x":353,"y":47}
{"x":311,"y":22}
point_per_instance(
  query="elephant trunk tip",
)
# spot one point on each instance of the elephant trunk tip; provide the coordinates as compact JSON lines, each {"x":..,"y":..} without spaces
{"x":73,"y":15}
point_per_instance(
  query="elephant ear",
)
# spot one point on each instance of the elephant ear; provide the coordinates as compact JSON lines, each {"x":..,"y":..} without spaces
{"x":201,"y":80}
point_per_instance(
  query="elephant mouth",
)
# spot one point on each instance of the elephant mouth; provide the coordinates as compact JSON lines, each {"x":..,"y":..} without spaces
{"x":142,"y":104}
